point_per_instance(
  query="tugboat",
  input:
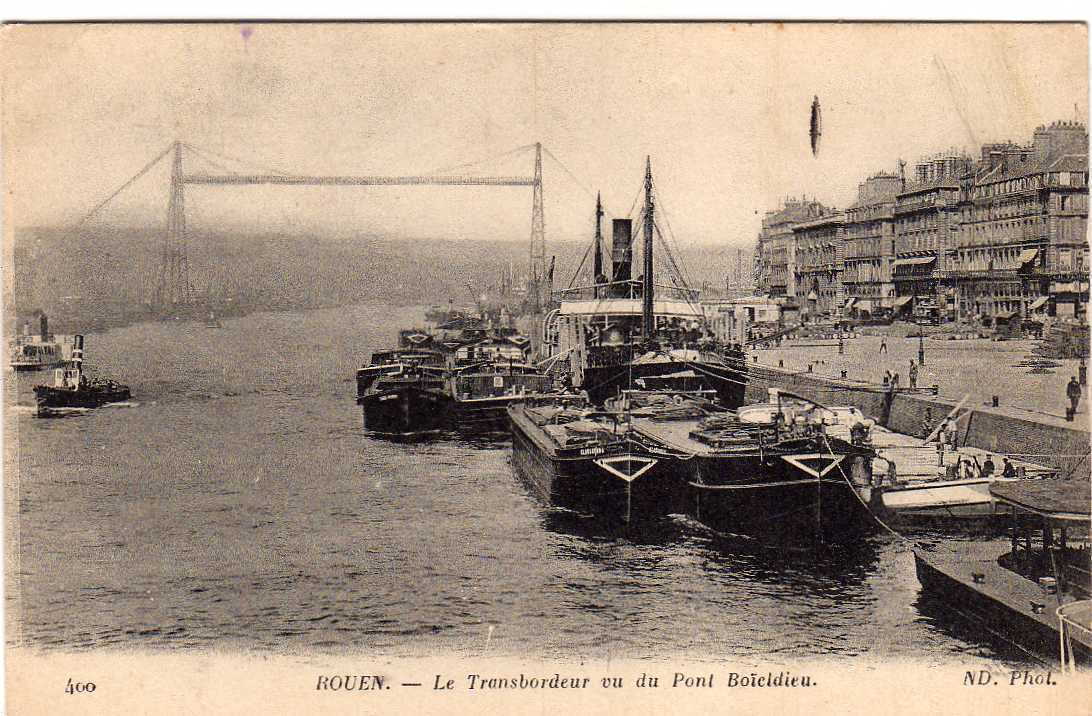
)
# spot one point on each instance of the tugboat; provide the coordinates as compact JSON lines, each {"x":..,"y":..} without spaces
{"x":72,"y":389}
{"x":463,"y":379}
{"x":617,"y":331}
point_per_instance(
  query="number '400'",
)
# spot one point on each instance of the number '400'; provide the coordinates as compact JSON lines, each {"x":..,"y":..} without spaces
{"x":79,"y":687}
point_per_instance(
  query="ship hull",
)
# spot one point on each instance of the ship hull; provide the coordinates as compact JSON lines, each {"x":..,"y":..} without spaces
{"x":593,"y":482}
{"x":602,"y":382}
{"x":1004,"y":615}
{"x":410,"y":411}
{"x":771,"y":497}
{"x":405,"y":411}
{"x":51,"y":398}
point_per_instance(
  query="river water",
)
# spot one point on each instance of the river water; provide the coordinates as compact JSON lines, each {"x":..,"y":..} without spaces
{"x":238,"y":504}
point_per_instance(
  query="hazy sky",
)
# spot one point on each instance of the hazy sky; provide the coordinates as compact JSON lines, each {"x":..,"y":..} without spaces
{"x":722,"y":109}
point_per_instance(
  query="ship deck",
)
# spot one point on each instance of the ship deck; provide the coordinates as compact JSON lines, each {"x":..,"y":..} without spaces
{"x":674,"y":434}
{"x":999,"y":588}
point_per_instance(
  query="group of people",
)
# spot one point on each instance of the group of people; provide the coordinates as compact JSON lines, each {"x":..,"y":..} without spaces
{"x":969,"y":468}
{"x":891,"y":380}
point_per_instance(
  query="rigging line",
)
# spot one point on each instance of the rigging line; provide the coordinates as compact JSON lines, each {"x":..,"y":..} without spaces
{"x":122,"y":188}
{"x":670,"y":229}
{"x":1077,"y":466}
{"x":852,"y":489}
{"x":686,"y":287}
{"x":215,"y":164}
{"x":229,"y":158}
{"x":449,"y":169}
{"x":572,"y":176}
{"x":581,"y":266}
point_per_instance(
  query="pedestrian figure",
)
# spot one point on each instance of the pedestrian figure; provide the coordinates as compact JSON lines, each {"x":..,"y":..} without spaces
{"x":886,"y":377}
{"x":987,"y":467}
{"x":894,"y":381}
{"x":883,"y":344}
{"x":913,"y":374}
{"x":1008,"y":469}
{"x":1073,"y":392}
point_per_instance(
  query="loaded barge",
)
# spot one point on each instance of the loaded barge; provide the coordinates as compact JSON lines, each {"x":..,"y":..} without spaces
{"x":592,"y":461}
{"x":779,"y":471}
{"x":437,"y":382}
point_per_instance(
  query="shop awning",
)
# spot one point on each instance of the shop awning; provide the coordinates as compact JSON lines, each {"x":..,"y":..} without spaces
{"x":1038,"y":303}
{"x":902,"y":301}
{"x":1027,"y":255}
{"x":916,"y":261}
{"x":813,"y":296}
{"x":864,"y":304}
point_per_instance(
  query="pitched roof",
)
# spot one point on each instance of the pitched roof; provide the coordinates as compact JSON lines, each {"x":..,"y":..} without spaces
{"x":1047,"y":496}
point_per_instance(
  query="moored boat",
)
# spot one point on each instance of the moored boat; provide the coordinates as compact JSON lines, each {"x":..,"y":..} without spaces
{"x":461,"y":381}
{"x":616,"y":331}
{"x":780,"y":476}
{"x":590,"y":460}
{"x":1015,"y":591}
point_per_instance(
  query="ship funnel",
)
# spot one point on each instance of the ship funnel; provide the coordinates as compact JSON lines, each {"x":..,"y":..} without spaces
{"x":77,"y":349}
{"x":622,"y":250}
{"x":44,"y":325}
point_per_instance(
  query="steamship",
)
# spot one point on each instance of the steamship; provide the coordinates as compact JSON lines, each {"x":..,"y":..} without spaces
{"x":40,"y":351}
{"x":610,"y":339}
{"x":624,"y":333}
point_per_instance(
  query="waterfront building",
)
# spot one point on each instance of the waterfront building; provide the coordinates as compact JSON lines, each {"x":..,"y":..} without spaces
{"x":775,"y":263}
{"x":820,"y":258}
{"x":870,"y":247}
{"x":737,"y":320}
{"x":1021,"y":248}
{"x":926,"y":212}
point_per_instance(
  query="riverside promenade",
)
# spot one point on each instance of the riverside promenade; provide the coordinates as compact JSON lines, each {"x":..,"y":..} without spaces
{"x":979,"y":368}
{"x":1027,"y":424}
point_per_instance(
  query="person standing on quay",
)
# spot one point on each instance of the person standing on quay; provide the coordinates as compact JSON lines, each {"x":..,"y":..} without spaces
{"x":1073,"y":392}
{"x":883,"y":345}
{"x":913,"y":374}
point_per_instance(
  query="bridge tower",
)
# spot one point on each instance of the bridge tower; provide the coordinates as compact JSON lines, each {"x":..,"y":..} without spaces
{"x":537,"y":279}
{"x":173,"y":289}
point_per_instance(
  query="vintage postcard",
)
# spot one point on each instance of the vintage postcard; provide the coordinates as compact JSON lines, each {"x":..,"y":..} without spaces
{"x":513,"y":367}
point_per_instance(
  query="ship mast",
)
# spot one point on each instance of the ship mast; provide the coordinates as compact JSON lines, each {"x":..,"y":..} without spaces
{"x":597,"y":267}
{"x":647,"y":318}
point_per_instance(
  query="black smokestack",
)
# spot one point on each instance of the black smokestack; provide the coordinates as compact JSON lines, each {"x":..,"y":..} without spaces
{"x":621,"y":251}
{"x":44,"y":324}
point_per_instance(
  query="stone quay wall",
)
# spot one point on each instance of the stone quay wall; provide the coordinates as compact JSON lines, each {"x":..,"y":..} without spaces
{"x":917,"y":414}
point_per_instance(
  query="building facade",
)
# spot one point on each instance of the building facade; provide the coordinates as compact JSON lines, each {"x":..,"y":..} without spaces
{"x":927,"y":212}
{"x":870,"y":247}
{"x":1022,"y":244}
{"x":775,"y":261}
{"x":820,"y":259}
{"x":973,"y":239}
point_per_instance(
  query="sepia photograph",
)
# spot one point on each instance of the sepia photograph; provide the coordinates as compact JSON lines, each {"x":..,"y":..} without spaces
{"x":505,"y":366}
